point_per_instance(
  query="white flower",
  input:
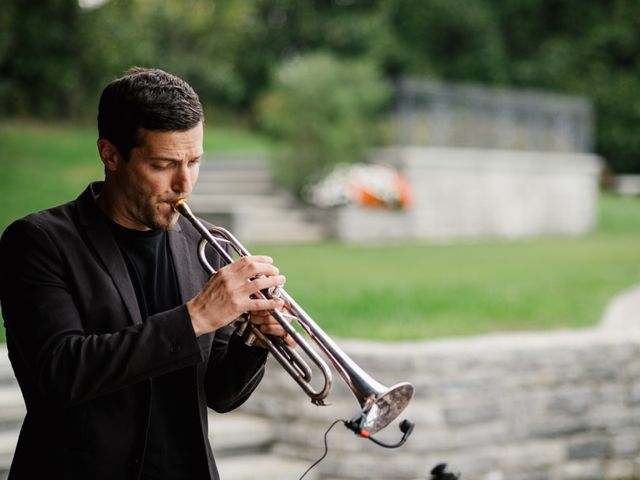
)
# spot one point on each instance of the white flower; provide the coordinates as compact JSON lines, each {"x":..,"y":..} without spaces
{"x":362,"y":184}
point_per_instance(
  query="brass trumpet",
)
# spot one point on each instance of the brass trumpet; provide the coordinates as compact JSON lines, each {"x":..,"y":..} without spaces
{"x":379,"y":405}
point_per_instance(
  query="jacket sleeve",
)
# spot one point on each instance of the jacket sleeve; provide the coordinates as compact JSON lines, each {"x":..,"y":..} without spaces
{"x":55,"y":358}
{"x":234,"y":369}
{"x":233,"y":372}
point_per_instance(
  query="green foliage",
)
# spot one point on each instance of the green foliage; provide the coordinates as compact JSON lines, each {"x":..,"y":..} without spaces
{"x":589,"y":48}
{"x":55,"y":57}
{"x":451,"y":39}
{"x":323,"y":110}
{"x":37,"y":55}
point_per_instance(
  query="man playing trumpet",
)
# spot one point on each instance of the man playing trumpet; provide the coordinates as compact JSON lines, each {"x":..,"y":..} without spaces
{"x":118,"y":338}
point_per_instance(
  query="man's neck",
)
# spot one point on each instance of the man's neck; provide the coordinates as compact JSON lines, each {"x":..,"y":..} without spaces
{"x":112,"y":208}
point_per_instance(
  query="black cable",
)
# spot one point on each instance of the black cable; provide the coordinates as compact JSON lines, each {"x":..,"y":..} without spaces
{"x":326,"y":449}
{"x":356,"y":426}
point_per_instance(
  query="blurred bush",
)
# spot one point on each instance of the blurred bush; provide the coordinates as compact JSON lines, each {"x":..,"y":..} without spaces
{"x":324,"y":111}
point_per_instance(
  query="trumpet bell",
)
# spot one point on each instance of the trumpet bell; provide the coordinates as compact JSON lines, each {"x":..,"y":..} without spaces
{"x":385,"y":407}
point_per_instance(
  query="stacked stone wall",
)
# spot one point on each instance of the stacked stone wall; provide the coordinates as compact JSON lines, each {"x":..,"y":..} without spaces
{"x":559,"y":405}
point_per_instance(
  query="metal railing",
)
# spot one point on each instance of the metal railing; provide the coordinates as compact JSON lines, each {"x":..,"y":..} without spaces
{"x":441,"y":114}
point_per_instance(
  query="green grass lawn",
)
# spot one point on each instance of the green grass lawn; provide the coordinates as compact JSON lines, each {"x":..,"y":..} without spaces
{"x":428,"y":291}
{"x":399,"y":292}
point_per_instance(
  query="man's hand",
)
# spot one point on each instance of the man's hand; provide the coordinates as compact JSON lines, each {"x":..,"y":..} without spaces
{"x":270,"y":326}
{"x":228,"y":294}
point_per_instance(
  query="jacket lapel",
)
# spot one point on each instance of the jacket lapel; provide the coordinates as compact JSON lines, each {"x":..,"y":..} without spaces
{"x":101,"y":238}
{"x":185,"y":263}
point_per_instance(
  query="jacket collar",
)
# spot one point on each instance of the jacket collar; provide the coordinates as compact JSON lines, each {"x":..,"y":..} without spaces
{"x":185,"y":260}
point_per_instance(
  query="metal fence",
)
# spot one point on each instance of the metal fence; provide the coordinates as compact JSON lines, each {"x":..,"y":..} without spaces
{"x":438,"y":114}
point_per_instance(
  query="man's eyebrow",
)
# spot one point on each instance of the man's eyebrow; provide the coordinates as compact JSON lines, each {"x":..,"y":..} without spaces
{"x":173,"y":159}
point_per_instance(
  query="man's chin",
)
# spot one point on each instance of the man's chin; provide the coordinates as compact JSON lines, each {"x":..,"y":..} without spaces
{"x":163,"y":222}
{"x":170,"y":222}
{"x":166,"y":217}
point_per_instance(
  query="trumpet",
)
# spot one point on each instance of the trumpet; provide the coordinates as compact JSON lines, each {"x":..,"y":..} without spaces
{"x":379,"y":405}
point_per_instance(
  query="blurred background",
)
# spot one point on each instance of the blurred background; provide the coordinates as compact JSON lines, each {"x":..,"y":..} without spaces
{"x":513,"y":125}
{"x":292,"y":88}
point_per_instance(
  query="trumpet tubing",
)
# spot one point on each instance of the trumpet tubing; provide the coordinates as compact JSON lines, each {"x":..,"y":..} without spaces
{"x":380,"y":404}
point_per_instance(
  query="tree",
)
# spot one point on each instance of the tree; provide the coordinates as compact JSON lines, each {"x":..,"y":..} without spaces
{"x":37,"y":53}
{"x":324,"y":110}
{"x":588,"y":48}
{"x":55,"y":57}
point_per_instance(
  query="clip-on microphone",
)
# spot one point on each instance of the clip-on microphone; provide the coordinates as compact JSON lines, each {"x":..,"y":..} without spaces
{"x":356,"y":425}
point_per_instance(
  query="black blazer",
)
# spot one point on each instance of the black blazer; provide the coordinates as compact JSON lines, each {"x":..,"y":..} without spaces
{"x":83,"y":356}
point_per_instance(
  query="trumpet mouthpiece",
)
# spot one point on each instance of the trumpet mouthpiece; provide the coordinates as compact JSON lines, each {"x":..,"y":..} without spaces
{"x":181,"y":206}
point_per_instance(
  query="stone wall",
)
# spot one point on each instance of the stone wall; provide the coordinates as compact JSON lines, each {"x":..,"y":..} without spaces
{"x":559,"y":405}
{"x":470,"y":193}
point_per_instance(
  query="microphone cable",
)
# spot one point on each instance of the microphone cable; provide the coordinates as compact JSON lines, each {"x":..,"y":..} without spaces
{"x":355,"y":425}
{"x":326,"y":449}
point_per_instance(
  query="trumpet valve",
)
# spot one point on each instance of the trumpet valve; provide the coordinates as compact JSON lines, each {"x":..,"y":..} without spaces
{"x":241,"y":325}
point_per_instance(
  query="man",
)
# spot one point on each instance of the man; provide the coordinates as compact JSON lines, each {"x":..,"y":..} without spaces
{"x":118,"y":339}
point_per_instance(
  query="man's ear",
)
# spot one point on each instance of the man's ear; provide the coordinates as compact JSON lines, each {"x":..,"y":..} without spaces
{"x":109,"y":155}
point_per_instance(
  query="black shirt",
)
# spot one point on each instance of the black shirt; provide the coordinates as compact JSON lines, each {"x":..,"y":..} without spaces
{"x":174,"y":439}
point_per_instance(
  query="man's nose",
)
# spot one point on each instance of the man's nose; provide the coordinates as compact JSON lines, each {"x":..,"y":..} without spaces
{"x":182,"y":181}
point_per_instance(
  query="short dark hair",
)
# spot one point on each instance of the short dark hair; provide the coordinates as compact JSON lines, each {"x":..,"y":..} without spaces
{"x":146,"y":98}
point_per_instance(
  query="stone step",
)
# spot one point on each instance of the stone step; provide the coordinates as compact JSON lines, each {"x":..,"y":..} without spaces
{"x":241,"y":452}
{"x":255,"y":229}
{"x":282,"y":221}
{"x":6,"y":371}
{"x":241,"y":441}
{"x":233,"y":186}
{"x":236,"y":433}
{"x":239,"y":193}
{"x":8,"y":441}
{"x":263,"y":467}
{"x":267,"y":213}
{"x":12,"y":409}
{"x":229,"y":162}
{"x":242,"y":177}
{"x":203,"y":202}
{"x":237,"y":439}
{"x":310,"y":234}
{"x":234,"y":174}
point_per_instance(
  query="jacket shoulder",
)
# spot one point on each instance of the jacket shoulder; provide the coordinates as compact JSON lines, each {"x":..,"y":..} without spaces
{"x":49,"y":220}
